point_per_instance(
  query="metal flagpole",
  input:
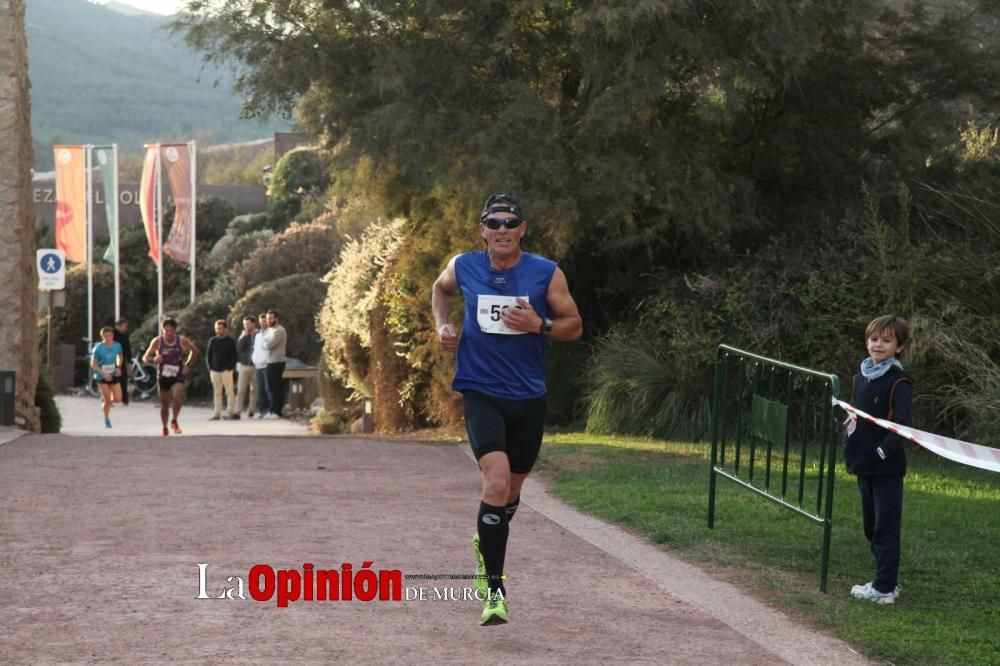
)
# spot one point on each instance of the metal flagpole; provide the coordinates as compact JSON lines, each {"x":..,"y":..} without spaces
{"x":194,"y":209}
{"x":88,"y":221}
{"x":159,"y":240}
{"x":114,"y":168}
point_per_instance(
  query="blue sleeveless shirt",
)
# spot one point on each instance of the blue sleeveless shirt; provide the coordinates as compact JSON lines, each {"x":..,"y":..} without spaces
{"x":503,"y":366}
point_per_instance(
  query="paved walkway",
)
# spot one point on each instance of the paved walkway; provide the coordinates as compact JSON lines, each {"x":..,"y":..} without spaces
{"x":102,"y":538}
{"x":82,"y":416}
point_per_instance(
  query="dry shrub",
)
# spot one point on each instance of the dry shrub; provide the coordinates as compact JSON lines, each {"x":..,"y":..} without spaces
{"x":302,"y":248}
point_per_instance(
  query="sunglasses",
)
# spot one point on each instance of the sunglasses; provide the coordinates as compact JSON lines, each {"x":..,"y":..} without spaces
{"x":497,"y":222}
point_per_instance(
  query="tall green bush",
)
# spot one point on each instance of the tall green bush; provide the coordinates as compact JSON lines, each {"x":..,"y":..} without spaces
{"x":635,"y":388}
{"x":351,"y":293}
{"x":299,"y":174}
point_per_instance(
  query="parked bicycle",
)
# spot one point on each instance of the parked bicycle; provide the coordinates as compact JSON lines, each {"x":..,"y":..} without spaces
{"x":143,"y":377}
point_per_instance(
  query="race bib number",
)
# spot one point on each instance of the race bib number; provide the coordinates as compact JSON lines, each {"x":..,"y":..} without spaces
{"x":170,"y":370}
{"x":110,"y":369}
{"x":489,"y":313}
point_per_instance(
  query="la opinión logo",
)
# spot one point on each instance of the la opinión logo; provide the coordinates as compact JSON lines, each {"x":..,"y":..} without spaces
{"x":310,"y":584}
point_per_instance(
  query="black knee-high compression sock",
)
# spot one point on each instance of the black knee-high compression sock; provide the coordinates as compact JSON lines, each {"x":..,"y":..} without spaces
{"x":493,"y":530}
{"x":511,"y":508}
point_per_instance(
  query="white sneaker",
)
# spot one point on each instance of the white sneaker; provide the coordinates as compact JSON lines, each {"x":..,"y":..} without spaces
{"x":270,"y":416}
{"x":869,"y":593}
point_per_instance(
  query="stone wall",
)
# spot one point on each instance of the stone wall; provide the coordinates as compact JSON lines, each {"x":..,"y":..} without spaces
{"x":18,"y":281}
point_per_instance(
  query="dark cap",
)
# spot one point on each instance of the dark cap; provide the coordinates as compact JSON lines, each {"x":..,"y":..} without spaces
{"x":501,"y":202}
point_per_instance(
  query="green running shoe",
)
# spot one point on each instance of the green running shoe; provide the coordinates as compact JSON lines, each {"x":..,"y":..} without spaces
{"x":480,"y":579}
{"x":494,"y":611}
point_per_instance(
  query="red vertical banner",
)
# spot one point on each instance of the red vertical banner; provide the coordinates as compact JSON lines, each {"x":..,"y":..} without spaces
{"x":176,"y":162}
{"x":71,"y":202}
{"x":147,"y":201}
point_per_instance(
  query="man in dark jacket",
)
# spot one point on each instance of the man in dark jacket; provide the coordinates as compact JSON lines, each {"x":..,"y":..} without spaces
{"x":122,"y":338}
{"x":221,"y":359}
{"x":246,"y":393}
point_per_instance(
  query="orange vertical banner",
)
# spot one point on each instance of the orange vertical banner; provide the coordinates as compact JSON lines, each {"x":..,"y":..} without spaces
{"x":176,"y":162}
{"x":147,"y":201}
{"x":71,"y":202}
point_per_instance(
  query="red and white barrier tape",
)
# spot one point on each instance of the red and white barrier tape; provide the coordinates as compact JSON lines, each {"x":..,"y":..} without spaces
{"x":975,"y":455}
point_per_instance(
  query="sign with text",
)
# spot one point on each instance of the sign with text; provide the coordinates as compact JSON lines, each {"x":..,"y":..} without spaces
{"x":51,"y":266}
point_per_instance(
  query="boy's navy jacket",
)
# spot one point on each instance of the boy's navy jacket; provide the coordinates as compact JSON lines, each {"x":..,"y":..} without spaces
{"x":872,"y":396}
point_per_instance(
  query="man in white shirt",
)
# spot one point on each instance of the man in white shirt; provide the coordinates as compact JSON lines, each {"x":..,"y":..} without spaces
{"x":259,"y":358}
{"x":275,"y":342}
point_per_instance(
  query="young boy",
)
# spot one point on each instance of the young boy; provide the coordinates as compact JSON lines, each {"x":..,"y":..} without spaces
{"x":876,"y":455}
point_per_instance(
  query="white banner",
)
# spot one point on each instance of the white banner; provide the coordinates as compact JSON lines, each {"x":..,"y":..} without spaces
{"x":975,"y":455}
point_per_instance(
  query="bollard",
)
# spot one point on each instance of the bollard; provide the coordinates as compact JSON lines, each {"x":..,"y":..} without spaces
{"x":368,"y":418}
{"x":7,"y":384}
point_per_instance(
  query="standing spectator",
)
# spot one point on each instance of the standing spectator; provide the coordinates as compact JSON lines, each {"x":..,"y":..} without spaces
{"x":259,"y":359}
{"x":877,"y":456}
{"x":221,"y":359}
{"x":245,"y":371}
{"x":122,"y":338}
{"x":275,"y":342}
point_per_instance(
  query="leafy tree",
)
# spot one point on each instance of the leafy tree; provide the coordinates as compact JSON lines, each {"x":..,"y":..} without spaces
{"x":647,"y":134}
{"x":648,"y":139}
{"x":301,"y":173}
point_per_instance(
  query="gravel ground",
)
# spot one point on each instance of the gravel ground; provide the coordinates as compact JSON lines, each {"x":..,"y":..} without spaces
{"x":103,"y":536}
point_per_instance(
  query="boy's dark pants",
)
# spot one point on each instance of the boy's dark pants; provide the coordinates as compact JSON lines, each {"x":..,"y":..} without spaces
{"x":881,"y":518}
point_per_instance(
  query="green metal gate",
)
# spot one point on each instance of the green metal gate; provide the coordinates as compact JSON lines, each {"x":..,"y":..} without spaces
{"x":774,"y":432}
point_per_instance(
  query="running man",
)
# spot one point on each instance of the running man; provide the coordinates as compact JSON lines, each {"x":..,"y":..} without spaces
{"x":168,"y":351}
{"x":106,"y":361}
{"x":513,"y":301}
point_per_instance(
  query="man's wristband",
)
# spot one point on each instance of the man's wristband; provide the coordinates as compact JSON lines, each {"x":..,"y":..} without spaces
{"x":545,"y":328}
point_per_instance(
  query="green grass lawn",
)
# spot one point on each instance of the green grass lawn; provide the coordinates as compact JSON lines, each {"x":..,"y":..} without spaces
{"x":948,"y":612}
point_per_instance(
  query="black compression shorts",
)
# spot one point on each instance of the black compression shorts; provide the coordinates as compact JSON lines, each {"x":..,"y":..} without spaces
{"x":166,"y":383}
{"x":512,"y":426}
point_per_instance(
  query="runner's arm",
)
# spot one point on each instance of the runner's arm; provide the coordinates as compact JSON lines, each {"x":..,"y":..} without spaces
{"x":567,"y":325}
{"x":154,"y":348}
{"x":192,"y":351}
{"x":442,"y":301}
{"x":443,"y":294}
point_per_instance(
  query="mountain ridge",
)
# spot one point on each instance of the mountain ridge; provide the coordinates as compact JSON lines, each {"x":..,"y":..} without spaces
{"x":128,"y":10}
{"x":102,"y":76}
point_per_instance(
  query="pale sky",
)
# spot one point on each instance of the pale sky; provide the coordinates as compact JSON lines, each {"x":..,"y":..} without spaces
{"x":165,"y":7}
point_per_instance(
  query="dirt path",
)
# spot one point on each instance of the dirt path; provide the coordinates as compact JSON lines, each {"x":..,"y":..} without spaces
{"x":102,"y":537}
